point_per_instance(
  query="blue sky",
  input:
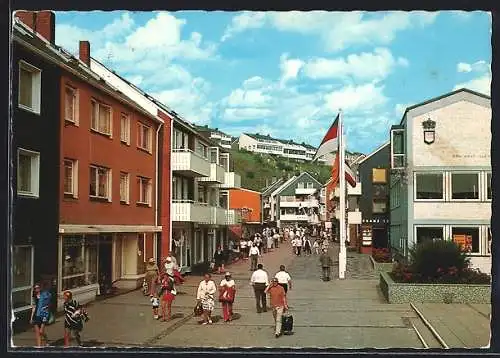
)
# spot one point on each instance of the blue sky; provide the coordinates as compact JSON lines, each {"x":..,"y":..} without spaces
{"x":287,"y":74}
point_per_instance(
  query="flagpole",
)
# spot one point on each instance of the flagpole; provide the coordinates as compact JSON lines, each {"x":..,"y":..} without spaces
{"x":342,"y":199}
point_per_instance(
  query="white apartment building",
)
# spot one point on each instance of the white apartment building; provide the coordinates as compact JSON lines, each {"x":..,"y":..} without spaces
{"x":440,"y":186}
{"x":215,"y":135}
{"x":258,"y":143}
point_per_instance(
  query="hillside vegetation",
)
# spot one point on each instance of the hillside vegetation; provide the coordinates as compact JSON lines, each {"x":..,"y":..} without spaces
{"x":255,"y":169}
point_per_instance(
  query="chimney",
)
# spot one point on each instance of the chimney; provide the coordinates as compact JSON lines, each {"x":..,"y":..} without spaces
{"x":85,"y":52}
{"x":43,"y":22}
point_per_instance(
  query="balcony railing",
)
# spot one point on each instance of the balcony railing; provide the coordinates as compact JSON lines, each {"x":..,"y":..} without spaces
{"x":233,"y":217}
{"x":312,"y":203}
{"x":231,"y":180}
{"x":190,"y":163}
{"x":305,"y":191}
{"x":190,"y":211}
{"x":217,"y":173}
{"x":294,"y":217}
{"x":218,"y":216}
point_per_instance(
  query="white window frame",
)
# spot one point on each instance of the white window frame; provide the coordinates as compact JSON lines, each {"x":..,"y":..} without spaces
{"x":415,"y":186}
{"x":36,"y":87}
{"x":24,"y":288}
{"x":435,"y":226}
{"x":482,"y":239}
{"x":393,"y":156}
{"x":99,"y":104}
{"x":125,"y":133}
{"x":310,"y":185}
{"x":149,"y":186}
{"x":76,"y":113}
{"x":485,"y":186}
{"x":35,"y":173}
{"x":127,"y":182}
{"x":109,"y":182}
{"x":450,"y":185}
{"x":74,"y":177}
{"x":140,"y":137}
{"x":380,"y":201}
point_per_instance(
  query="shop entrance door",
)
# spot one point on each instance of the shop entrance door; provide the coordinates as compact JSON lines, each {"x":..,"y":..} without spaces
{"x":105,"y":268}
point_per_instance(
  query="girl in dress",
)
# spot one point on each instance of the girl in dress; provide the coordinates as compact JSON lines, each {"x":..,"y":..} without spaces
{"x":168,"y":296}
{"x":227,"y":291}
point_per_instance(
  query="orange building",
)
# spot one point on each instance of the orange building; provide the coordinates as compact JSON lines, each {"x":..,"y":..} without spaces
{"x":248,"y":203}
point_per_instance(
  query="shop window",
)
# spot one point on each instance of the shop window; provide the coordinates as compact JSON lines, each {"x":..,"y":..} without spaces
{"x":79,"y":261}
{"x":429,"y":186}
{"x":425,"y":233}
{"x":464,"y":186}
{"x":22,"y":277}
{"x":468,"y":236}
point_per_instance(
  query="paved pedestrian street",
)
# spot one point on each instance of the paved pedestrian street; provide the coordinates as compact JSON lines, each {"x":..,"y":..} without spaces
{"x":348,"y":313}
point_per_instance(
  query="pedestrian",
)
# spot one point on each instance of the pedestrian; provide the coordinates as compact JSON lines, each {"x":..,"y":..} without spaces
{"x":279,"y":304}
{"x":40,"y":313}
{"x":243,"y":248}
{"x":259,"y":281}
{"x":249,"y":246}
{"x":155,"y":302}
{"x":316,"y":247}
{"x":172,"y":269}
{"x":276,"y":238}
{"x":269,"y":242}
{"x":206,"y":295}
{"x":219,"y":260}
{"x":307,"y":246}
{"x":254,"y":257}
{"x":284,"y":279}
{"x":298,"y":243}
{"x":152,"y":275}
{"x":74,"y":315}
{"x":326,"y":263}
{"x":168,"y":296}
{"x":227,"y":292}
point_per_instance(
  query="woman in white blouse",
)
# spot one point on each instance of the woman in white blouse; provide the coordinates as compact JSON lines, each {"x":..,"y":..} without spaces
{"x":227,"y":291}
{"x":206,"y":295}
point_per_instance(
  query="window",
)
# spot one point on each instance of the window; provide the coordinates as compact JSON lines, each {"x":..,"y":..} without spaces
{"x":29,"y":91}
{"x":301,"y":185}
{"x":468,"y":236}
{"x":180,"y":140}
{"x":100,"y":182}
{"x":429,"y":186}
{"x":397,"y":149}
{"x":379,"y":175}
{"x":22,"y":277}
{"x":464,"y":186}
{"x":488,"y":186}
{"x":214,"y":155}
{"x":424,"y":234}
{"x":144,"y":191}
{"x":201,"y":149}
{"x":28,"y":172}
{"x":125,"y":128}
{"x":202,"y":194}
{"x":310,"y":186}
{"x":71,"y":177}
{"x":79,"y":261}
{"x":380,"y":191}
{"x":124,"y":188}
{"x":71,"y":104}
{"x":144,"y":137}
{"x":379,"y":206}
{"x":101,"y":118}
{"x":488,"y":246}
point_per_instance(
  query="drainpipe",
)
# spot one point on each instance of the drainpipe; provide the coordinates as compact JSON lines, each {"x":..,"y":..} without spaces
{"x":156,"y":188}
{"x":170,"y":183}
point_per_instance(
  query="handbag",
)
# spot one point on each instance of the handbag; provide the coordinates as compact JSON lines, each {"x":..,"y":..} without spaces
{"x":198,"y":309}
{"x":52,"y":319}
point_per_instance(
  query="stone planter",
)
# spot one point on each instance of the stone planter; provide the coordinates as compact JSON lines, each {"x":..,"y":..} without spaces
{"x":396,"y":292}
{"x":381,"y":266}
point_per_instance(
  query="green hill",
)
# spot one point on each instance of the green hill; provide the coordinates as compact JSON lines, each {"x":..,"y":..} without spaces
{"x":256,"y":169}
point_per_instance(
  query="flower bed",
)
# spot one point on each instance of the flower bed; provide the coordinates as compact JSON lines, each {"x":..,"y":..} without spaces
{"x":381,"y":266}
{"x":399,"y":292}
{"x":382,"y":255}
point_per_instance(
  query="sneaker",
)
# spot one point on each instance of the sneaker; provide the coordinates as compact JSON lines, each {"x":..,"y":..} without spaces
{"x":156,"y":317}
{"x":205,"y":323}
{"x":209,"y":321}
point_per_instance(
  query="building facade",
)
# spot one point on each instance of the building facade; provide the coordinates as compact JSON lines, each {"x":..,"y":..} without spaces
{"x":440,"y":186}
{"x":35,"y":158}
{"x":215,"y":135}
{"x":373,"y":173}
{"x":246,"y":205}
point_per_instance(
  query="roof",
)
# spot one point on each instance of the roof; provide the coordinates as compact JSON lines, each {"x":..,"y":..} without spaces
{"x":435,"y":99}
{"x":25,"y":36}
{"x":378,"y":149}
{"x":283,"y":186}
{"x":245,"y":189}
{"x":271,"y":187}
{"x":293,"y":180}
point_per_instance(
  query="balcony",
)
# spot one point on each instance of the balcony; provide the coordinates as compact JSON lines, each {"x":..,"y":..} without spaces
{"x":233,"y":217}
{"x":189,"y":211}
{"x":189,"y":163}
{"x":289,"y":203}
{"x":294,"y":217}
{"x":305,"y":191}
{"x":218,"y":216}
{"x":216,"y":176}
{"x":231,"y":180}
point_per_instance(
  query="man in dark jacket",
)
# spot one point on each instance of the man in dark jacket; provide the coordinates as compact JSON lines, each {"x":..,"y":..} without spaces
{"x":326,"y":263}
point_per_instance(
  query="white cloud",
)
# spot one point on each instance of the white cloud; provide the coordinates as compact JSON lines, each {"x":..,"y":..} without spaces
{"x":248,"y":98}
{"x":244,"y":114}
{"x":365,"y":66}
{"x":480,"y":84}
{"x":356,"y":98}
{"x":464,"y":67}
{"x":400,"y":108}
{"x":253,"y":82}
{"x":289,"y":68}
{"x":338,"y":30}
{"x":479,"y":66}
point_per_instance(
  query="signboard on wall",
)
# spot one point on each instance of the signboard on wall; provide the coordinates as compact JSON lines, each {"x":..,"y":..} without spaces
{"x":366,"y":231}
{"x":464,"y":241}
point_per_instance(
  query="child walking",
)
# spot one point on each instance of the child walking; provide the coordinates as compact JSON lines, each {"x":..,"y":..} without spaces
{"x":168,"y":296}
{"x":74,"y":316}
{"x":155,"y":301}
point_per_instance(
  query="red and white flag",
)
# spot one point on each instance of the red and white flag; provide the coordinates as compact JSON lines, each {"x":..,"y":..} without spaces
{"x":330,"y":142}
{"x":350,"y":177}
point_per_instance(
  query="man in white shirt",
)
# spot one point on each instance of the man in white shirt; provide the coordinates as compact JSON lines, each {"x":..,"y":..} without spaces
{"x":243,"y":247}
{"x":254,"y":256}
{"x":276,"y":238}
{"x":259,"y":281}
{"x":284,"y":279}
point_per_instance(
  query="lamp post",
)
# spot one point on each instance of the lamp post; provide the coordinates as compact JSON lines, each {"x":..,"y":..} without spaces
{"x":429,"y":127}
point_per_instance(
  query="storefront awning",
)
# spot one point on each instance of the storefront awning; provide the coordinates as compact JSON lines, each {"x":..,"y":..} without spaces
{"x":81,"y":229}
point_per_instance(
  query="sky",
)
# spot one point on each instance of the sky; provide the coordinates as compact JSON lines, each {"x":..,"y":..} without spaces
{"x":287,"y":74}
